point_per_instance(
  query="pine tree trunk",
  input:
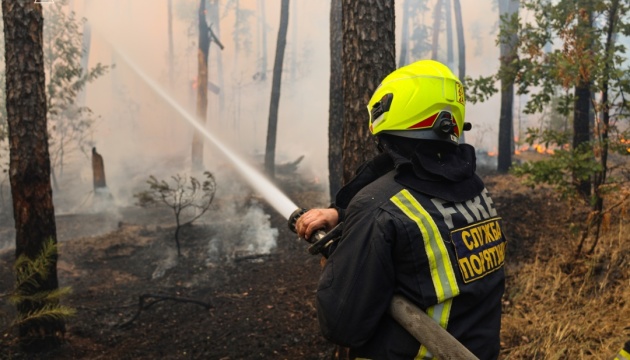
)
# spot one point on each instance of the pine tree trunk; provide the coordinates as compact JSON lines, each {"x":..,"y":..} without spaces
{"x":335,"y":104}
{"x":272,"y":128}
{"x":582,"y":104}
{"x":202,"y":86}
{"x":29,"y":167}
{"x":506,"y":118}
{"x":213,"y":12}
{"x":368,"y":56}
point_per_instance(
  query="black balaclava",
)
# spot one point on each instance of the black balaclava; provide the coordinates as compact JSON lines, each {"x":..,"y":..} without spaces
{"x":434,"y":167}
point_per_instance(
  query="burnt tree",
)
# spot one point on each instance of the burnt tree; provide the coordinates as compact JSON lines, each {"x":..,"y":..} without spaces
{"x":272,"y":126}
{"x":368,"y":55}
{"x":29,"y":165}
{"x":202,"y":85}
{"x":335,"y":104}
{"x":98,"y":170}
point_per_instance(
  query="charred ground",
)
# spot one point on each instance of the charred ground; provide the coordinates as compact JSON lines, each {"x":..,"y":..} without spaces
{"x":245,"y":308}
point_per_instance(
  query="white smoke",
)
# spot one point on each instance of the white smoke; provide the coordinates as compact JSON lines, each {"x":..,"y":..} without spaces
{"x":257,"y":233}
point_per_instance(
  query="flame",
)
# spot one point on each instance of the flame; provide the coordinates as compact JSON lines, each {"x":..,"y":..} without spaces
{"x":625,"y":142}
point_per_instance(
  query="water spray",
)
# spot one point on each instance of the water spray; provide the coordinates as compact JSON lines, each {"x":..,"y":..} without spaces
{"x":266,"y":188}
{"x":419,"y":324}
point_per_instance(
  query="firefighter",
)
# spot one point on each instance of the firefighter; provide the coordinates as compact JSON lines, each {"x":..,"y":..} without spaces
{"x":417,"y":221}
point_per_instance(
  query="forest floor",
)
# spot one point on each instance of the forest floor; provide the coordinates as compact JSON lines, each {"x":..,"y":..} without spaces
{"x":220,"y":302}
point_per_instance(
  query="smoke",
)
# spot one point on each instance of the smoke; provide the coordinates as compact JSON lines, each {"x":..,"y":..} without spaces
{"x":138,"y":134}
{"x":257,"y":232}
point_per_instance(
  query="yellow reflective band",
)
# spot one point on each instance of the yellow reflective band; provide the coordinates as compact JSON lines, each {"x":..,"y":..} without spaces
{"x":424,"y":354}
{"x":440,"y":313}
{"x":440,"y":264}
{"x":623,"y":355}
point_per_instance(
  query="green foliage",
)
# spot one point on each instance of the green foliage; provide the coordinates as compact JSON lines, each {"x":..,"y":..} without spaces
{"x":29,"y":273}
{"x":480,"y":89}
{"x":563,"y":169}
{"x":180,"y":196}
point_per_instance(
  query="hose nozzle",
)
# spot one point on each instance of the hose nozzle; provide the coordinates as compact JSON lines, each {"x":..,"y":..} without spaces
{"x":294,"y":217}
{"x":320,"y":240}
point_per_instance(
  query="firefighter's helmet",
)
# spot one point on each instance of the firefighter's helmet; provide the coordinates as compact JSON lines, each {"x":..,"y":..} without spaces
{"x":423,"y":100}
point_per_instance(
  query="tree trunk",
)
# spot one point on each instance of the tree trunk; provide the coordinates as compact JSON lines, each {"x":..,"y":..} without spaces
{"x":368,"y":56}
{"x":213,"y":12}
{"x":506,"y":118}
{"x":403,"y":59}
{"x":582,"y":104}
{"x":98,"y":170}
{"x":272,"y":128}
{"x":202,"y":86}
{"x":335,"y":104}
{"x":437,"y":23}
{"x":29,"y":165}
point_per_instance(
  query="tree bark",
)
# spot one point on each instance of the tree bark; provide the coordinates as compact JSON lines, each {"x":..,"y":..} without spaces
{"x":272,"y":128}
{"x":29,"y":165}
{"x":202,"y":86}
{"x":335,"y":104}
{"x":582,"y":104}
{"x":368,"y":56}
{"x":506,"y":117}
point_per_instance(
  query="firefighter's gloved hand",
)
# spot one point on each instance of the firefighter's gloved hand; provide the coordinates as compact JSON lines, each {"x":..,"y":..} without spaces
{"x":316,"y":219}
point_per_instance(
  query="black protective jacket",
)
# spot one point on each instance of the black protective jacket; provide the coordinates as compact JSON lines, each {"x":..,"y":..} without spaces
{"x":439,"y":246}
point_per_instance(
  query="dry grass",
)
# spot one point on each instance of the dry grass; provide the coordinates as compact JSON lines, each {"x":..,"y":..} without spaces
{"x":560,"y":307}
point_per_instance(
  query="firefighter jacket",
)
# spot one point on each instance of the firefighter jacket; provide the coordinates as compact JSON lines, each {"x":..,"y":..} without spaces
{"x":444,"y":255}
{"x":624,"y":353}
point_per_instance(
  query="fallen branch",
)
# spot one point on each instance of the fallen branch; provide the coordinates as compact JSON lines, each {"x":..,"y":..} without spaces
{"x":238,"y":258}
{"x":143,"y":304}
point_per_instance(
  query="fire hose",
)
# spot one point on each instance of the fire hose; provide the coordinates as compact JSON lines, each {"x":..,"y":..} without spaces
{"x":427,"y":331}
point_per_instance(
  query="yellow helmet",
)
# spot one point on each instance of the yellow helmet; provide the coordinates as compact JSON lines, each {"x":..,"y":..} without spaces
{"x":423,"y":100}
